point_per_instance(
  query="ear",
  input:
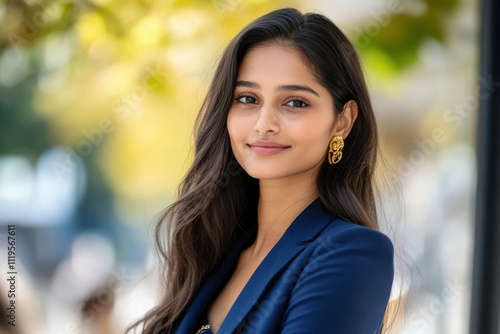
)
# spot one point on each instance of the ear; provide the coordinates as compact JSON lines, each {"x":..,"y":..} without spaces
{"x":345,"y":120}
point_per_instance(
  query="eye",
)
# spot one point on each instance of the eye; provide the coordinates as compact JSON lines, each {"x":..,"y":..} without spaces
{"x":297,"y":103}
{"x":245,"y":99}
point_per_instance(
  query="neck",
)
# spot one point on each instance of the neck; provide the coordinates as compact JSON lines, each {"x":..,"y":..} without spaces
{"x":280,"y":202}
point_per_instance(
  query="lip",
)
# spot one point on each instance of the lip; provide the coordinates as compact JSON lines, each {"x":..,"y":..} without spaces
{"x":267,"y":147}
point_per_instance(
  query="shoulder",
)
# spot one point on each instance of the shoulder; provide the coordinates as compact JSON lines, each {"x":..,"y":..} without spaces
{"x":360,"y":248}
{"x":315,"y":227}
{"x":347,"y":234}
{"x":347,"y":271}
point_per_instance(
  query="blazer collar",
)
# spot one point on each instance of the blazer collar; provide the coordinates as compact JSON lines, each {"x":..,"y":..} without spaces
{"x":304,"y":229}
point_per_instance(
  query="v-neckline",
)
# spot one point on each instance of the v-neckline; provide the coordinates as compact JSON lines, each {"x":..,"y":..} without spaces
{"x":253,"y":233}
{"x":241,"y":291}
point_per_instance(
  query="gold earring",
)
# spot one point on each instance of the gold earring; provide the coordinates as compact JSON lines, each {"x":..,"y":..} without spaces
{"x":335,"y":152}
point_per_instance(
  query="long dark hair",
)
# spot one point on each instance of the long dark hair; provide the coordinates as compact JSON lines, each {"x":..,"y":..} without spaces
{"x":193,"y":233}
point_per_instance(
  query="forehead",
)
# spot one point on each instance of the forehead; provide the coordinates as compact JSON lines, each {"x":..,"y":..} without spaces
{"x":274,"y":63}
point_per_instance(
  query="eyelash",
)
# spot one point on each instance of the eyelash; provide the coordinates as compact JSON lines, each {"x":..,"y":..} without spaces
{"x":304,"y":102}
{"x":237,"y":99}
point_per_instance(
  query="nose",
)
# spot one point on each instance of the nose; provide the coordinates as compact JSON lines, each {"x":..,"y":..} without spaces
{"x":267,"y":121}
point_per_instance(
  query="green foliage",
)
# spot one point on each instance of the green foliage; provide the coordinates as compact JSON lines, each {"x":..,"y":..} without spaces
{"x":399,"y":34}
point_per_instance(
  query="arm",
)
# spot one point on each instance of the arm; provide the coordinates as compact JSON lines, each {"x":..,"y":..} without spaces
{"x":345,"y":286}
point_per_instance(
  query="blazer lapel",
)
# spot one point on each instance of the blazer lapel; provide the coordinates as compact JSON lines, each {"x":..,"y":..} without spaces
{"x":303,"y":230}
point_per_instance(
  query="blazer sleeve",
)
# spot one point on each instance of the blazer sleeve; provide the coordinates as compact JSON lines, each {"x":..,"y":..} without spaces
{"x":345,"y":285}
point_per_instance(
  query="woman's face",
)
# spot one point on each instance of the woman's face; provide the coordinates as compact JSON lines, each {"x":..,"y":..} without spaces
{"x":281,"y":119}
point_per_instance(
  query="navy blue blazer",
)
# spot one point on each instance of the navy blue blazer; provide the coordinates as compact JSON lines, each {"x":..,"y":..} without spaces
{"x":324,"y":275}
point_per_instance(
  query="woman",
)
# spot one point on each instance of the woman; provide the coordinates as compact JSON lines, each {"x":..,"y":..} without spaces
{"x":275,"y":227}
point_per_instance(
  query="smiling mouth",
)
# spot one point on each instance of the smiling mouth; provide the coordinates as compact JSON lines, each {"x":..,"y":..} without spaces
{"x":267,"y":150}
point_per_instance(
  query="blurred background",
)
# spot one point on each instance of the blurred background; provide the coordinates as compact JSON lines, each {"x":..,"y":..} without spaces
{"x":97,"y":103}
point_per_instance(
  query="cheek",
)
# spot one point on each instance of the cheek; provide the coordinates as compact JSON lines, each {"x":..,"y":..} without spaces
{"x":315,"y":145}
{"x":238,"y":124}
{"x":236,"y":127}
{"x":313,"y":133}
{"x":231,"y":125}
{"x":312,"y":142}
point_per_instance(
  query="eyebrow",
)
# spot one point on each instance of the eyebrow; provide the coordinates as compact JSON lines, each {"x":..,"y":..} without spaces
{"x":291,"y":88}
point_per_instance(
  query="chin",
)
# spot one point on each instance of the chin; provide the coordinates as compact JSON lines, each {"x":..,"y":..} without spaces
{"x":263,"y":173}
{"x":268,"y":173}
